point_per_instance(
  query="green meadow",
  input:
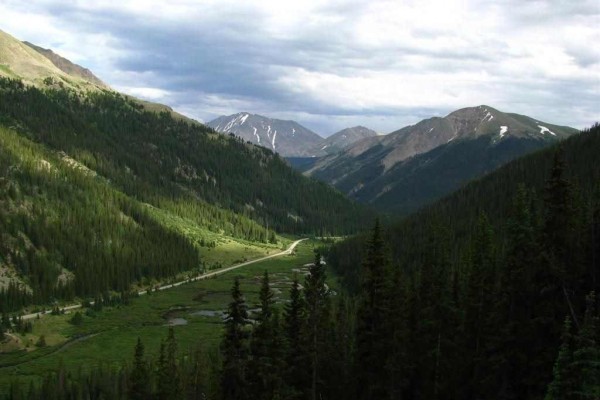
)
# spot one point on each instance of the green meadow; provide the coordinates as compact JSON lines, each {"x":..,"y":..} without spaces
{"x":108,"y":336}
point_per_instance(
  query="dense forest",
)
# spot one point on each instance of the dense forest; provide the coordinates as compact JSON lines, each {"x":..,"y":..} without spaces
{"x":69,"y":233}
{"x":182,"y":167}
{"x":83,"y":176}
{"x":502,"y":305}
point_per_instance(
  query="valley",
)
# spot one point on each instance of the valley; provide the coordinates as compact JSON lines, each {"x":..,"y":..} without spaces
{"x":146,"y":254}
{"x":108,"y":334}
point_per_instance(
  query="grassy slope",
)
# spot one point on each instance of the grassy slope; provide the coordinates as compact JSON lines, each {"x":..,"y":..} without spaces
{"x":116,"y":330}
{"x":227,"y":250}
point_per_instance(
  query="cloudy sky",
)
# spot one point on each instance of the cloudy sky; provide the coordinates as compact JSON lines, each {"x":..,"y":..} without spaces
{"x":332,"y":64}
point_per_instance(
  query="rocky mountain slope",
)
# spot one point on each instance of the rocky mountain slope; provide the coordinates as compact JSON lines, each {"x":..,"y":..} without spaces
{"x":41,"y":67}
{"x":417,"y":164}
{"x":67,"y":66}
{"x":344,"y":138}
{"x":288,"y":138}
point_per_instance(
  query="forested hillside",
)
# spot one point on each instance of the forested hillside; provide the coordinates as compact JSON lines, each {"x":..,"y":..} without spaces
{"x":67,"y":232}
{"x":176,"y":165}
{"x":86,"y":178}
{"x":489,"y":294}
{"x":477,"y":287}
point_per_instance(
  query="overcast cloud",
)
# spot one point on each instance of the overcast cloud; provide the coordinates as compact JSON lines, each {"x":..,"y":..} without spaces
{"x":332,"y":64}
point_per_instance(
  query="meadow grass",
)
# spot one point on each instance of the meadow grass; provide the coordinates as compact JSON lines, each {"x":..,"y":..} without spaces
{"x":108,"y":336}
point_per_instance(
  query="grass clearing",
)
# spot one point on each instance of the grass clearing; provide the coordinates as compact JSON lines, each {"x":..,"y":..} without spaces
{"x":109,"y":336}
{"x":227,"y":250}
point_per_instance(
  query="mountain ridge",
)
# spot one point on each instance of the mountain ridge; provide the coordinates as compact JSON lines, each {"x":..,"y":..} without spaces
{"x":344,"y":138}
{"x":370,"y":169}
{"x":67,"y":66}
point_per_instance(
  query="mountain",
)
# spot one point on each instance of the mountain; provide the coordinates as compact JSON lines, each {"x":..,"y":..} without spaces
{"x":344,"y":138}
{"x":67,"y":66}
{"x":42,"y":67}
{"x":288,"y":138}
{"x":491,"y":272}
{"x":99,"y":192}
{"x":331,"y":145}
{"x":415,"y":165}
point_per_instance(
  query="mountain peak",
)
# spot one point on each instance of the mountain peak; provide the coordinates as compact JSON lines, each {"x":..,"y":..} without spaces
{"x":42,"y":67}
{"x":344,"y":138}
{"x":484,"y":120}
{"x":288,"y":138}
{"x":427,"y":160}
{"x":67,"y":66}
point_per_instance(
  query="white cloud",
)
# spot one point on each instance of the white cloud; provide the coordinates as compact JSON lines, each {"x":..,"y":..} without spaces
{"x":147,"y":93}
{"x":330,"y":63}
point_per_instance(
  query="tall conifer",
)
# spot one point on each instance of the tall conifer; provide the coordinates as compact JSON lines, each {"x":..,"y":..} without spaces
{"x":234,"y":384}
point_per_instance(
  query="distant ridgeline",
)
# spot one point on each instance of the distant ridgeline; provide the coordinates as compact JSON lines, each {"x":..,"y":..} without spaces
{"x":80,"y":173}
{"x":477,"y":286}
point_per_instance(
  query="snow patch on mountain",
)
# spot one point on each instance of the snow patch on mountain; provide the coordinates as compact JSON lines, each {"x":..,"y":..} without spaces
{"x":543,"y":130}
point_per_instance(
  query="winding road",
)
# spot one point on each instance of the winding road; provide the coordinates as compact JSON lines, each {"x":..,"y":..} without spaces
{"x":197,"y":278}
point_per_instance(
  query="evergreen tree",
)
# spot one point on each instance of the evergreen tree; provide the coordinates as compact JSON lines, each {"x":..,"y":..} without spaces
{"x":316,"y":296}
{"x":478,"y":306}
{"x":139,"y":378}
{"x":437,"y":321}
{"x":234,"y":383}
{"x":586,"y":354}
{"x":337,"y":365}
{"x":266,"y":352}
{"x":553,"y":279}
{"x":514,"y":339}
{"x":371,"y":335}
{"x":294,"y":320}
{"x":561,"y":387}
{"x":399,"y":327}
{"x":169,"y":379}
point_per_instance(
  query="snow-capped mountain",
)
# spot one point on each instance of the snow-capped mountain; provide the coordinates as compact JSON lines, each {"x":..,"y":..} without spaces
{"x":288,"y":138}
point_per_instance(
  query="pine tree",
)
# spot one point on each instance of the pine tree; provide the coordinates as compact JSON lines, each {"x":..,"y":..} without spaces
{"x":162,"y":374}
{"x":435,"y":333}
{"x":399,"y":326}
{"x":558,"y":217}
{"x":294,"y":320}
{"x":169,"y":379}
{"x":371,"y":335}
{"x":553,"y":280}
{"x":234,"y":384}
{"x":478,"y":305}
{"x":562,"y":383}
{"x":514,"y":339}
{"x":316,"y":296}
{"x":586,"y":355}
{"x":265,"y":368}
{"x":337,"y":363}
{"x":139,"y":378}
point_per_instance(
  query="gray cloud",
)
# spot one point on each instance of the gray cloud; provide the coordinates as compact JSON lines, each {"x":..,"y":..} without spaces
{"x":336,"y":63}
